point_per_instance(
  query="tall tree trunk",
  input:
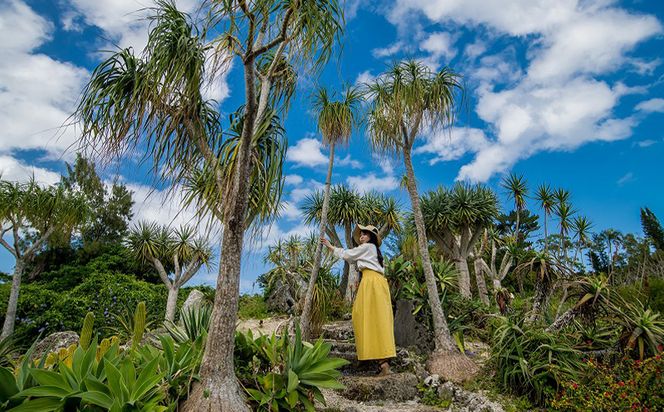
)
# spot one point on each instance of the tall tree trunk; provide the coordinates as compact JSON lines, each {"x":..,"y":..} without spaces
{"x":346,"y":273}
{"x":305,"y":321}
{"x":464,"y":277}
{"x":540,"y":302}
{"x":442,"y":337}
{"x":218,"y":388}
{"x":10,"y":316}
{"x":481,"y":283}
{"x":546,"y":235}
{"x":563,"y":320}
{"x":172,"y":301}
{"x":351,"y":287}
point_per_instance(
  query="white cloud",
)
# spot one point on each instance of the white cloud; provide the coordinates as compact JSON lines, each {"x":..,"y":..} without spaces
{"x":37,"y":93}
{"x":290,"y":211}
{"x":14,"y":170}
{"x":453,"y":143}
{"x":293,"y":179}
{"x":371,"y":182}
{"x":271,"y":234}
{"x":347,"y":161}
{"x":475,"y":49}
{"x":628,"y":177}
{"x":388,"y":51}
{"x":646,"y":143}
{"x":307,"y":152}
{"x":555,"y":101}
{"x":439,"y":45}
{"x":652,"y":105}
{"x":166,"y":208}
{"x":364,"y":78}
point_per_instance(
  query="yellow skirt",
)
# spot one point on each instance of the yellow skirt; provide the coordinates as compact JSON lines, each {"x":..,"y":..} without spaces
{"x":373,"y":321}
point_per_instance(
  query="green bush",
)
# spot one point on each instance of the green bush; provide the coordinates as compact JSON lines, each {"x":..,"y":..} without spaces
{"x":252,"y":307}
{"x":628,"y":385}
{"x":283,"y":374}
{"x":656,"y":294}
{"x":529,"y":361}
{"x":43,"y":310}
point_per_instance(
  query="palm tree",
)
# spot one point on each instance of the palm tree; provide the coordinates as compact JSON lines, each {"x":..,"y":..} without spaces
{"x":613,"y":238}
{"x":155,"y":244}
{"x":564,"y":212}
{"x":455,"y":219}
{"x":406,"y":100}
{"x":581,"y":226}
{"x":546,"y":270}
{"x":517,"y":189}
{"x":336,"y":120}
{"x":32,"y":214}
{"x":154,"y":105}
{"x":546,"y":199}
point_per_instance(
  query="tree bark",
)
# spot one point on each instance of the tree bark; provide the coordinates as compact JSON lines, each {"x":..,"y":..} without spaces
{"x":10,"y":316}
{"x":442,"y":338}
{"x":481,"y":283}
{"x":346,"y":273}
{"x":218,"y":388}
{"x":540,"y":302}
{"x":351,"y":287}
{"x":464,"y":277}
{"x":172,"y":302}
{"x":305,"y":321}
{"x":563,"y":320}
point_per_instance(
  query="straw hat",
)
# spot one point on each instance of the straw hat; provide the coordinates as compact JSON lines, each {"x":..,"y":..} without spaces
{"x":369,"y":228}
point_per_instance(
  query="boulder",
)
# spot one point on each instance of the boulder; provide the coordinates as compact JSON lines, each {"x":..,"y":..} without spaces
{"x":54,"y":342}
{"x":194,"y":299}
{"x":395,"y":387}
{"x":408,"y":332}
{"x":281,"y":299}
{"x":466,"y":401}
{"x":452,"y":366}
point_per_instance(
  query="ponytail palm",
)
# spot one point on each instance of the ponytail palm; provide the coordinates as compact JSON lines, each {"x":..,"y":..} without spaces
{"x":407,"y":100}
{"x":154,"y":105}
{"x":336,"y":120}
{"x":31,"y":214}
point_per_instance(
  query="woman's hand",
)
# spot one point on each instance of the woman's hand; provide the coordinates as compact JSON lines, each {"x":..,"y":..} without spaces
{"x":325,"y":243}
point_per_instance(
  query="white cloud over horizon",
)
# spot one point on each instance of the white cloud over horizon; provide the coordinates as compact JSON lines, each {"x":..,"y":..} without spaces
{"x":558,"y":99}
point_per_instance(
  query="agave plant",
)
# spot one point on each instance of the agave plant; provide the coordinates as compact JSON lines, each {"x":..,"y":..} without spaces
{"x":643,"y":330}
{"x":194,"y":322}
{"x":593,"y":296}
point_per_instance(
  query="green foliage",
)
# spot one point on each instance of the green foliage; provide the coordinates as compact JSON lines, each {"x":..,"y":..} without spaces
{"x":643,"y":330}
{"x":652,"y":228}
{"x":86,"y":331}
{"x":627,"y":385}
{"x":285,"y":373}
{"x":656,"y":295}
{"x":252,"y":307}
{"x":194,"y":322}
{"x":529,"y":361}
{"x":139,"y":325}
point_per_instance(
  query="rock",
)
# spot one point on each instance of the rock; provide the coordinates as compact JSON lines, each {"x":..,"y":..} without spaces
{"x":395,"y":387}
{"x":452,"y":366}
{"x":281,"y":299}
{"x":339,"y":330}
{"x":54,"y":342}
{"x":467,"y":401}
{"x":194,"y":299}
{"x":408,"y":331}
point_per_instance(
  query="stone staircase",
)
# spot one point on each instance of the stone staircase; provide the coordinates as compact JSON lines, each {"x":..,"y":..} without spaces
{"x":365,"y":391}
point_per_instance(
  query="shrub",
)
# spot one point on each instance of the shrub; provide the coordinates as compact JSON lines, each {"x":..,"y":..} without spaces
{"x":252,"y":307}
{"x":628,"y":385}
{"x":529,"y":361}
{"x":656,"y":294}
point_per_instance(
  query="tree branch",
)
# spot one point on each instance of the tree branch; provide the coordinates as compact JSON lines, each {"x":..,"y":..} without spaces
{"x":280,"y":38}
{"x":192,"y":269}
{"x":162,"y":272}
{"x":7,"y":246}
{"x":28,"y":254}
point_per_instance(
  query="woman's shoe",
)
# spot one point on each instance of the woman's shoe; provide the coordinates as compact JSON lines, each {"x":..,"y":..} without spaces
{"x":384,"y":369}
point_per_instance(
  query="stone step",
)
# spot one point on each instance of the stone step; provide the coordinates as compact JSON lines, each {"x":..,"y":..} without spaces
{"x":397,"y":387}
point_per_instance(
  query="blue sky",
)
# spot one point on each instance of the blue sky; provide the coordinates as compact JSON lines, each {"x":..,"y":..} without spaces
{"x":569,"y":93}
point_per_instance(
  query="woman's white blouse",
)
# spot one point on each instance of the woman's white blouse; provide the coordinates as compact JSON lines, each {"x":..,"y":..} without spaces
{"x":365,"y":255}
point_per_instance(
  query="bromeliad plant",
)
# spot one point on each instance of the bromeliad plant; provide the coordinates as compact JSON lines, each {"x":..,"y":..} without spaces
{"x":643,"y":330}
{"x":284,"y":373}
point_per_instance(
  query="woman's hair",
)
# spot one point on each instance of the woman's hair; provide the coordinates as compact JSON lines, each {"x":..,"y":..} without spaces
{"x":374,"y":240}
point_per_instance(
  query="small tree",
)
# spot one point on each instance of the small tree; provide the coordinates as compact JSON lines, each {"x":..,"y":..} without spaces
{"x":406,"y":100}
{"x":31,"y":214}
{"x":336,"y":120}
{"x":185,"y":253}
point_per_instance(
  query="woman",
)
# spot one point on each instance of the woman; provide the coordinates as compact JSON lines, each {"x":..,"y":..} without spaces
{"x":373,"y":321}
